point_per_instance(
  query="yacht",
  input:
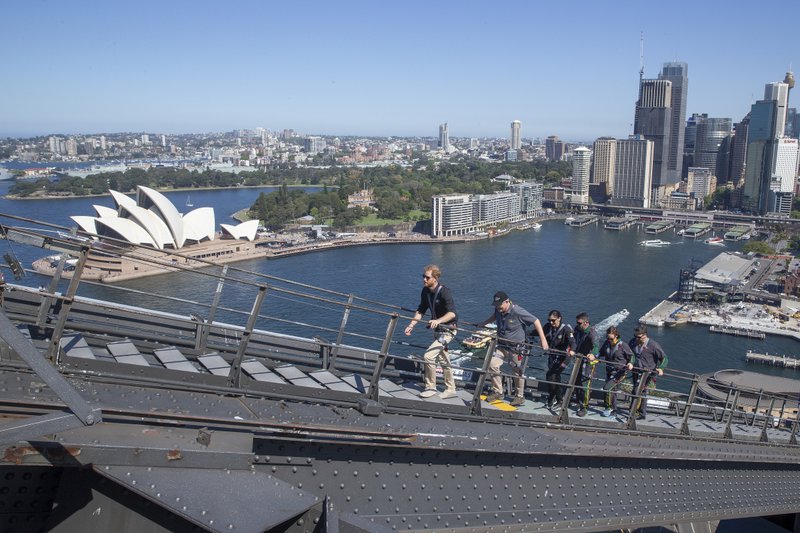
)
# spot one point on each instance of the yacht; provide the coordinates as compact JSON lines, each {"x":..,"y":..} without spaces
{"x":569,"y":220}
{"x":655,"y":243}
{"x":715,"y":241}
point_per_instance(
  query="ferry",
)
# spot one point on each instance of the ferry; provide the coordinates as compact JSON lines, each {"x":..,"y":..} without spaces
{"x":569,"y":220}
{"x":655,"y":243}
{"x":536,"y":225}
{"x":715,"y":241}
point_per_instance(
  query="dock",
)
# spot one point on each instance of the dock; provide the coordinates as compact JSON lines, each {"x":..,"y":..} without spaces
{"x":774,"y":360}
{"x":659,"y":227}
{"x":739,"y":332}
{"x":737,"y":233}
{"x":619,"y":223}
{"x":583,"y":220}
{"x":697,"y":230}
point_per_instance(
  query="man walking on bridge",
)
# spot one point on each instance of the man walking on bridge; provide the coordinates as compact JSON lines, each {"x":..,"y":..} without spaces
{"x":649,"y":361}
{"x":438,"y":299}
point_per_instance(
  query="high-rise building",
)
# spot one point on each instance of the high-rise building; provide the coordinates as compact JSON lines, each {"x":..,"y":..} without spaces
{"x":554,"y":148}
{"x":516,"y":139}
{"x":604,"y":158}
{"x":653,"y":121}
{"x":710,"y":134}
{"x":314,"y":144}
{"x":444,"y":137}
{"x":724,"y":159}
{"x":581,"y":167}
{"x":701,"y":182}
{"x":765,"y":138}
{"x":678,"y":74}
{"x":633,"y":172}
{"x":531,"y":194}
{"x":739,"y":150}
{"x":690,"y":137}
{"x":145,"y":139}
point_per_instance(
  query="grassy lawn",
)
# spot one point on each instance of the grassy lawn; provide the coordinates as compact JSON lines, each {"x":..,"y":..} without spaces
{"x":373,"y":220}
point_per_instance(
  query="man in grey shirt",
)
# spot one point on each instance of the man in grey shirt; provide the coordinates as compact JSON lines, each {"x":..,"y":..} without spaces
{"x":512,"y":321}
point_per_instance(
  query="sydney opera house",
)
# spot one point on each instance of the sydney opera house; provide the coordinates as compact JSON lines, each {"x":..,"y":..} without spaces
{"x":161,"y":232}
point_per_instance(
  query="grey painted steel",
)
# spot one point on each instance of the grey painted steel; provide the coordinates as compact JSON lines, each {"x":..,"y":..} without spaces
{"x":476,"y":406}
{"x":688,"y":409}
{"x":74,"y":345}
{"x":54,"y":353}
{"x":185,"y":492}
{"x":340,"y":334}
{"x":202,"y":339}
{"x":48,"y":373}
{"x":374,"y":387}
{"x":563,"y":416}
{"x":235,"y":376}
{"x":35,"y":426}
{"x":257,"y":371}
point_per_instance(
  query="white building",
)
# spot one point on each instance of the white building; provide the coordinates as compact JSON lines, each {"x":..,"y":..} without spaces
{"x":633,"y":172}
{"x":581,"y":167}
{"x":516,"y":132}
{"x":604,"y":156}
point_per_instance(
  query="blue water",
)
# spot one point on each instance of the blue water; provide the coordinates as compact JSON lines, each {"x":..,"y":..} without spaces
{"x":557,"y":267}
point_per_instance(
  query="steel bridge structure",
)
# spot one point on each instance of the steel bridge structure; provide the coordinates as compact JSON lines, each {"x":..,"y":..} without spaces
{"x":118,"y":417}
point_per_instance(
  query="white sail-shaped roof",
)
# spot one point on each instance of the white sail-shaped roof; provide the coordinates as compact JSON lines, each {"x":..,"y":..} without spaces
{"x":199,"y":224}
{"x":103,"y":211}
{"x":86,"y":223}
{"x":166,"y":210}
{"x":245,"y":230}
{"x":151,"y":223}
{"x":121,"y":199}
{"x":127,"y":229}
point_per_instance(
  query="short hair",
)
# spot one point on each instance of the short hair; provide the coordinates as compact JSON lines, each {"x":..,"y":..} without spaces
{"x":612,"y":330}
{"x":641,"y":329}
{"x":582,"y":316}
{"x":435,"y":271}
{"x":555,"y":313}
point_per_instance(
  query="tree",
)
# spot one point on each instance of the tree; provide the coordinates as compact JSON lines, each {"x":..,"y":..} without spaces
{"x":758,"y":247}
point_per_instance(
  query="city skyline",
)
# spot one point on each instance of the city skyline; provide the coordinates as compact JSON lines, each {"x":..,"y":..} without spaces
{"x":373,"y":70}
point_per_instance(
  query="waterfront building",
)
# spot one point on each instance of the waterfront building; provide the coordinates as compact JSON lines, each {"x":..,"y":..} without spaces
{"x":581,"y":166}
{"x":531,"y":194}
{"x":460,"y":214}
{"x":444,"y":137}
{"x":710,"y":134}
{"x":633,"y":172}
{"x":604,"y":157}
{"x":516,"y":139}
{"x":451,"y":214}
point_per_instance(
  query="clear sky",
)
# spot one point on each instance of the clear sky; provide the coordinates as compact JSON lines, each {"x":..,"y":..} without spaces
{"x":377,"y":68}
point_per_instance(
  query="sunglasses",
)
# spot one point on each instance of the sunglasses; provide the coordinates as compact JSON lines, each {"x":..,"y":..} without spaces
{"x":426,"y":277}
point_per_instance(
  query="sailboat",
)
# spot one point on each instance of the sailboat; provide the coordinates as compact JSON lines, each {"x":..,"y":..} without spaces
{"x":189,"y":201}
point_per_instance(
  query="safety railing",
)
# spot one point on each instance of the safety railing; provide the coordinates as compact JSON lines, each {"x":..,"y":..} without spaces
{"x":343,"y":324}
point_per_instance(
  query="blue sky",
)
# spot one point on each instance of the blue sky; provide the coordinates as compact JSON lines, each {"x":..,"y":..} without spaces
{"x":377,"y":68}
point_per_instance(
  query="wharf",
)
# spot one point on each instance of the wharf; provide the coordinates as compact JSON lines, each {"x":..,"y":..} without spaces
{"x":737,"y":233}
{"x":697,"y":230}
{"x":774,"y":360}
{"x":619,"y":223}
{"x":659,"y":227}
{"x":738,"y":332}
{"x":583,"y":220}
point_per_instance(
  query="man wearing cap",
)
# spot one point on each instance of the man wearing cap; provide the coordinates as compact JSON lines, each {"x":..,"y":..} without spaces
{"x":512,"y":321}
{"x":437,"y":299}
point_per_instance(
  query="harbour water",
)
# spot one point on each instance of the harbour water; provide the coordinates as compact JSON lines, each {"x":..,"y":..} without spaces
{"x":556,"y":267}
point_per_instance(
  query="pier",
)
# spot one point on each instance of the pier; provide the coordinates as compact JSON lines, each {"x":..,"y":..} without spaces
{"x":583,"y":220}
{"x":659,"y":227}
{"x":697,"y":230}
{"x":619,"y":223}
{"x":739,"y":332}
{"x":774,"y":360}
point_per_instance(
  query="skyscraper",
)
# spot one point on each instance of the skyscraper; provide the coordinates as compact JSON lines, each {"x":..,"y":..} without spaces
{"x":678,"y":74}
{"x":554,"y":148}
{"x":710,"y":134}
{"x":633,"y":172}
{"x":653,"y":121}
{"x":605,"y":154}
{"x":739,"y":149}
{"x":516,"y":139}
{"x":444,"y":137}
{"x":581,"y":165}
{"x":660,"y":117}
{"x":767,"y":123}
{"x":690,"y":137}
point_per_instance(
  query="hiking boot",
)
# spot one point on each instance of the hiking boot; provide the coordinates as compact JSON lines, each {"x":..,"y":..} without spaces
{"x":516,"y":402}
{"x":493,"y":397}
{"x":444,"y":395}
{"x":427,"y":393}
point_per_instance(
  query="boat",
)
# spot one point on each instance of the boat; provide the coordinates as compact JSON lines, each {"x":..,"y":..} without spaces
{"x":536,"y":225}
{"x":715,"y":241}
{"x":569,"y":220}
{"x":189,"y":201}
{"x":655,"y":243}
